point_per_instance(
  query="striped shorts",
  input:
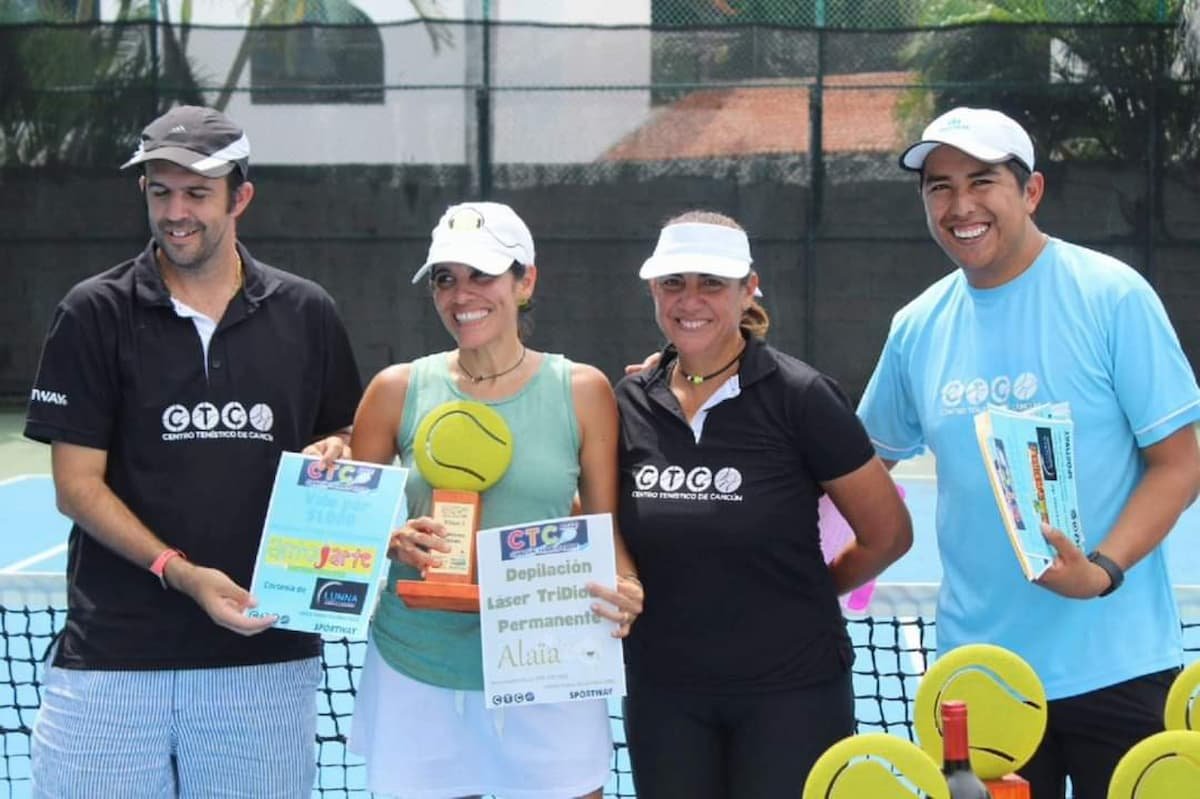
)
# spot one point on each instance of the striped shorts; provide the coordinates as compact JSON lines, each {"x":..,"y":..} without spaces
{"x":243,"y":731}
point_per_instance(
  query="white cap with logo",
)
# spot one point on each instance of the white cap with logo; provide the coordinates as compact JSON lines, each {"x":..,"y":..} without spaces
{"x":484,"y":236}
{"x":981,"y":133}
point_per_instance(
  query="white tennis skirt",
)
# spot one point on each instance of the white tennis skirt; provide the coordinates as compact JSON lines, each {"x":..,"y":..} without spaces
{"x":425,"y":742}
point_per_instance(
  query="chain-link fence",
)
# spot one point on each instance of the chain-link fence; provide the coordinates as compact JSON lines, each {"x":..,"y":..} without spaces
{"x":363,"y":133}
{"x":847,"y":14}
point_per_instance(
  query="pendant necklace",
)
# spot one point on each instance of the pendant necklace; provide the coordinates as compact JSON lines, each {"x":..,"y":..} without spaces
{"x":481,"y":378}
{"x":696,"y":380}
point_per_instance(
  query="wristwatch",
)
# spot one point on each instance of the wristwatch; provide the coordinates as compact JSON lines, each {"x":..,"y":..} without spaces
{"x":1115,"y":573}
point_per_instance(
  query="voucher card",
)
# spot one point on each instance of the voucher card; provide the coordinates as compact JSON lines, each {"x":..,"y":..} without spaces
{"x":1029,"y":459}
{"x":324,"y":544}
{"x":541,"y":640}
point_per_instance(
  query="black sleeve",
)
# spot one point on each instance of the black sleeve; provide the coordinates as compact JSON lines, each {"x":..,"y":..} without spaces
{"x":75,"y":395}
{"x":834,"y":441}
{"x":342,"y":388}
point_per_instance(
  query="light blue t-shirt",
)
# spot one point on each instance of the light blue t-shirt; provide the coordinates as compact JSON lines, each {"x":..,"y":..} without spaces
{"x":1077,"y":327}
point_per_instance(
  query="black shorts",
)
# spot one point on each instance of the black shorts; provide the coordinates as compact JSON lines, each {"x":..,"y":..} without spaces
{"x":749,"y":746}
{"x":1087,"y":734}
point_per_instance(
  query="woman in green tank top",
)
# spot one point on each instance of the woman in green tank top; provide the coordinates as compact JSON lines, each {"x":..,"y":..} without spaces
{"x":420,"y":718}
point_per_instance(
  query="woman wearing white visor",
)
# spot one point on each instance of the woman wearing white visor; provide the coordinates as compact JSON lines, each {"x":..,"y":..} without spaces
{"x":739,"y":670}
{"x":421,"y":719}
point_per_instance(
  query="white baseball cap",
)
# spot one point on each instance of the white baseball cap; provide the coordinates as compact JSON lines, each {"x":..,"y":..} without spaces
{"x":484,"y":236}
{"x":981,"y":133}
{"x":699,"y":247}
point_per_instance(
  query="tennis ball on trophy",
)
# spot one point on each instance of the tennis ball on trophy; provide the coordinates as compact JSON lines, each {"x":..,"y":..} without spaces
{"x":1006,"y":707}
{"x":463,"y":446}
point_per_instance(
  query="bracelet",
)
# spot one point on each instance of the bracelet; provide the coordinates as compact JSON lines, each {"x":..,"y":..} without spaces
{"x":631,"y":578}
{"x":1116,"y":575}
{"x":159,"y":567}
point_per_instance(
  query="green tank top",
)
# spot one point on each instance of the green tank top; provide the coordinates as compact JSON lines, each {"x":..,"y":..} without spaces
{"x":443,"y":647}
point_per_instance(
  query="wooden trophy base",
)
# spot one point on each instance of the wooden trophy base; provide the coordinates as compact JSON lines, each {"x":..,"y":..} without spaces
{"x":438,"y":595}
{"x":1010,"y":786}
{"x":450,"y":586}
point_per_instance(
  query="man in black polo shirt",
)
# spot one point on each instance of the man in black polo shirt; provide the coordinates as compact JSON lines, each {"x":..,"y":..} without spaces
{"x":167,"y":388}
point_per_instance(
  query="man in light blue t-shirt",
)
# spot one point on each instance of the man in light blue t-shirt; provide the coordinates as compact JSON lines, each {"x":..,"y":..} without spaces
{"x":1028,"y":319}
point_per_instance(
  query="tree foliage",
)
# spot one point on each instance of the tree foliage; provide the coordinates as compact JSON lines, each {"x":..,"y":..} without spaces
{"x":1111,"y":86}
{"x":79,"y":94}
{"x":77,"y":91}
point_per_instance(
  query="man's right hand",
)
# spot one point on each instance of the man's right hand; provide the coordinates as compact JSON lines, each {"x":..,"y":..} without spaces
{"x":649,"y":363}
{"x":221,"y":598}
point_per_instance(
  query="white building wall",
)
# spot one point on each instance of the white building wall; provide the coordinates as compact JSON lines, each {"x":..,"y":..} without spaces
{"x":437,"y":125}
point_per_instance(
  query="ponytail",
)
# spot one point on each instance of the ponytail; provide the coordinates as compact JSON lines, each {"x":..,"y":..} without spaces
{"x":755,"y":321}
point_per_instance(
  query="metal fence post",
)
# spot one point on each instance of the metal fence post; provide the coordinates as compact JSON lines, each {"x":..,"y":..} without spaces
{"x":1154,"y":155}
{"x":483,"y":108}
{"x":155,"y":67}
{"x":816,"y":186}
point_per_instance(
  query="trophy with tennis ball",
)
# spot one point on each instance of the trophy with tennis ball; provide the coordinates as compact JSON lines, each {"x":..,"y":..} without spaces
{"x":462,"y":449}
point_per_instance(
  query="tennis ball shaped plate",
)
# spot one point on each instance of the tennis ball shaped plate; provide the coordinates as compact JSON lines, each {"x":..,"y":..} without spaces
{"x":1163,"y":766}
{"x":1183,"y":700}
{"x":1006,"y":707}
{"x":874,"y":765}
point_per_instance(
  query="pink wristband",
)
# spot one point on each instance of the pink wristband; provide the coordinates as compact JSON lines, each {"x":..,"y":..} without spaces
{"x":159,"y":566}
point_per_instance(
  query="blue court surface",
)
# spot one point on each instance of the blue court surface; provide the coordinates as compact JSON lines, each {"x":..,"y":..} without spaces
{"x":36,"y":534}
{"x":921,"y":564}
{"x":35,"y":542}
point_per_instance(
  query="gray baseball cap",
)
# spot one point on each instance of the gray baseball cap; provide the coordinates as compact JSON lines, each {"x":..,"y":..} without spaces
{"x":196,"y":138}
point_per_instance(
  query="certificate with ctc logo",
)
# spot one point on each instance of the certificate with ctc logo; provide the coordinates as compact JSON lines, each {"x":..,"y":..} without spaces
{"x":541,"y":640}
{"x":324,"y":544}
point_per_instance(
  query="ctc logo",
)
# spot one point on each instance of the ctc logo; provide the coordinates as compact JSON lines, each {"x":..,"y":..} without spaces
{"x":336,"y":473}
{"x":205,"y":416}
{"x":549,"y":535}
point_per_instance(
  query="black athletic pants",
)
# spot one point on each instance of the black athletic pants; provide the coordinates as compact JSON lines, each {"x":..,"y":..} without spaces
{"x":755,"y":746}
{"x":1087,"y":734}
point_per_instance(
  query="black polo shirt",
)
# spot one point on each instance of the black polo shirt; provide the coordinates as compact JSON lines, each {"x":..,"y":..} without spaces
{"x":191,"y":451}
{"x":724,"y":531}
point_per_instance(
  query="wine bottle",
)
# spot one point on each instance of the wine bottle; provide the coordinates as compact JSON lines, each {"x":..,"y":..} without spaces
{"x":956,"y":758}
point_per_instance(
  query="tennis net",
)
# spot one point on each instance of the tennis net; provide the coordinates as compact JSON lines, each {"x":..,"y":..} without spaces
{"x":892,"y":647}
